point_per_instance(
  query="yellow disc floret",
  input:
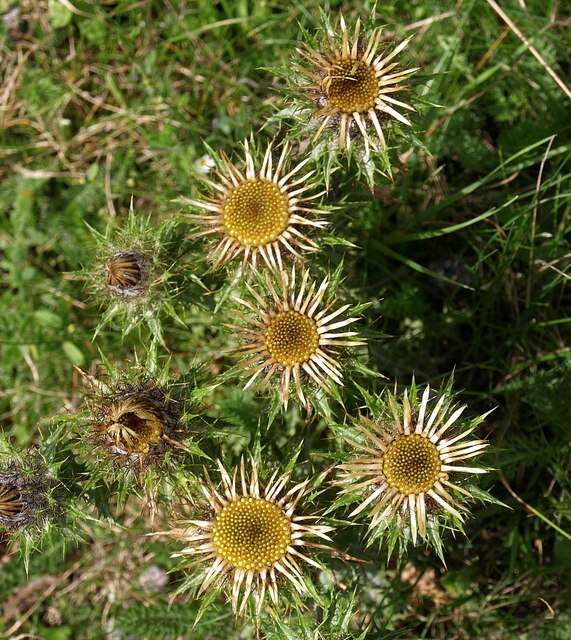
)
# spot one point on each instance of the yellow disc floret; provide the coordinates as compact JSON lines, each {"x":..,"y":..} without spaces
{"x":251,"y":533}
{"x":291,"y":338}
{"x":411,"y":464}
{"x":351,"y":86}
{"x":256,"y":212}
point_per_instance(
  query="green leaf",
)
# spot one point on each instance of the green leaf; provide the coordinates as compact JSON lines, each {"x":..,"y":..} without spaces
{"x":48,"y":318}
{"x":73,"y":353}
{"x":58,"y":14}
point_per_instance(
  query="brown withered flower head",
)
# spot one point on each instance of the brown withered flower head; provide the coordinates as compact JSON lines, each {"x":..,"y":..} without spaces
{"x":136,"y":424}
{"x":23,"y":497}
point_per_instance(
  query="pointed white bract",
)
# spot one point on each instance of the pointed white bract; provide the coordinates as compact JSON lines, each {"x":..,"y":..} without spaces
{"x":404,"y":468}
{"x":353,"y":85}
{"x":290,"y":333}
{"x":256,"y":214}
{"x":254,"y":537}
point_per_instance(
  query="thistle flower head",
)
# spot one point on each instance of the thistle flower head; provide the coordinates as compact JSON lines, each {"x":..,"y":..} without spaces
{"x":259,"y":212}
{"x":252,"y":536}
{"x":135,"y":425}
{"x":291,"y":332}
{"x":407,"y":466}
{"x":348,"y":83}
{"x":23,"y":497}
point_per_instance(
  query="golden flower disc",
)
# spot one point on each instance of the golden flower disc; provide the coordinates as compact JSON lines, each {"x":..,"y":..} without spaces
{"x":10,"y":502}
{"x":256,"y":212}
{"x":291,"y":338}
{"x":136,"y":430}
{"x":352,"y":86}
{"x":411,"y":464}
{"x":251,"y":533}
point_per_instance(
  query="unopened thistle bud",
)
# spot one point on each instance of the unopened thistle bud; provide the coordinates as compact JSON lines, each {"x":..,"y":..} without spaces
{"x":127,"y":273}
{"x":134,"y":275}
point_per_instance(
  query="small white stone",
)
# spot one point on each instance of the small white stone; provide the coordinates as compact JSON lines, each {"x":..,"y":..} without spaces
{"x":153,"y":579}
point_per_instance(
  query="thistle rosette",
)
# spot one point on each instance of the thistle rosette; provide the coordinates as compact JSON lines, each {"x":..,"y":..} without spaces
{"x":405,"y":472}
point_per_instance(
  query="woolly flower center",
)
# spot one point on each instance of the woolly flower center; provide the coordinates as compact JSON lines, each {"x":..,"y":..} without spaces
{"x":411,"y":464}
{"x":251,"y":533}
{"x":123,"y":271}
{"x":352,"y":86}
{"x":256,"y":212}
{"x":291,"y":338}
{"x":10,"y":502}
{"x":135,"y":430}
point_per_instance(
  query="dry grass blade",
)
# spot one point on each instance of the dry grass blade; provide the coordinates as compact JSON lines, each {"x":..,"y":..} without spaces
{"x":534,"y":222}
{"x":530,"y":509}
{"x":534,"y":52}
